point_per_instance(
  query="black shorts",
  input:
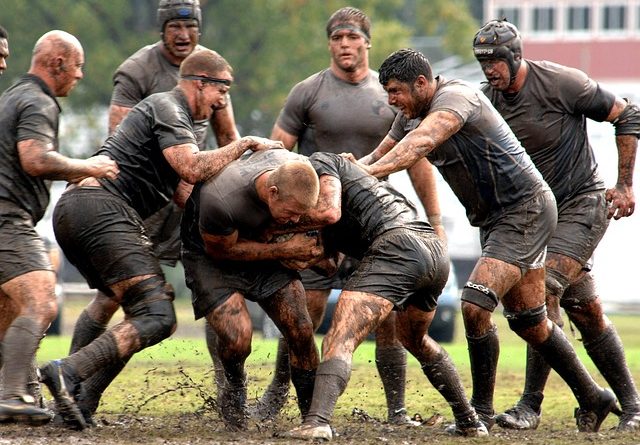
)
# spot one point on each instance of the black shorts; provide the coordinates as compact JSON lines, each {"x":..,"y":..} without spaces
{"x":213,"y":282}
{"x":22,"y":250}
{"x":521,"y":234}
{"x":404,"y":266}
{"x":582,"y":222}
{"x":103,"y":237}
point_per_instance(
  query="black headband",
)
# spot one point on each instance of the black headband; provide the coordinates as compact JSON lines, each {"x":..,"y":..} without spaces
{"x":207,"y":79}
{"x":350,"y":27}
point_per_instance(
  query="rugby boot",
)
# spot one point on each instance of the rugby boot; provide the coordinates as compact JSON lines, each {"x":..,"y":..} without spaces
{"x":488,"y":419}
{"x":63,"y":388}
{"x":589,"y":421}
{"x":311,"y":432}
{"x":472,"y":427}
{"x":24,"y":410}
{"x":519,"y":417}
{"x":400,"y":418}
{"x":629,"y":422}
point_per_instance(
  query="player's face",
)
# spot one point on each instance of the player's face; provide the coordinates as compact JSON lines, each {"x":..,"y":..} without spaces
{"x":70,"y":72}
{"x":180,"y":37}
{"x":4,"y":54}
{"x":348,"y":50}
{"x":404,"y":97}
{"x":497,"y":73}
{"x":213,"y":95}
{"x":285,"y":211}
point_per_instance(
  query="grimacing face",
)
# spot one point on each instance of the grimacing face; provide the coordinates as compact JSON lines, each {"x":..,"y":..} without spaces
{"x":212,"y":96}
{"x":496,"y":71}
{"x":180,"y":37}
{"x":404,"y":97}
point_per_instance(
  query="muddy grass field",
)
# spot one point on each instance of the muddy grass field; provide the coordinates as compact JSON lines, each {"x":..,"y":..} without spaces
{"x":166,"y":396}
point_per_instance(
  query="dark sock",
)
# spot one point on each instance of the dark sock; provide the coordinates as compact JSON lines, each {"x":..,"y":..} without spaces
{"x":94,"y":386}
{"x":100,"y":353}
{"x":560,"y":355}
{"x":18,"y":351}
{"x":332,"y":377}
{"x":280,"y":383}
{"x":536,"y":376}
{"x":392,"y":366}
{"x":607,"y":354}
{"x":302,"y":380}
{"x":444,"y":377}
{"x":483,"y":355}
{"x":85,"y":331}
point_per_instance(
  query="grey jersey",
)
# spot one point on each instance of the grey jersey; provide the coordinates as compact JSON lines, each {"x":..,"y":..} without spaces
{"x":147,"y":72}
{"x":28,"y":110}
{"x":229,"y":201}
{"x":331,"y":115}
{"x":146,"y":180}
{"x":483,"y":163}
{"x":548,"y":117}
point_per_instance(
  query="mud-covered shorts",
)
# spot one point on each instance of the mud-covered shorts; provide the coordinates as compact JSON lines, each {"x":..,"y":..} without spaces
{"x":103,"y":237}
{"x":582,"y":222}
{"x":22,"y":250}
{"x":404,"y":266}
{"x":213,"y":282}
{"x":521,"y":234}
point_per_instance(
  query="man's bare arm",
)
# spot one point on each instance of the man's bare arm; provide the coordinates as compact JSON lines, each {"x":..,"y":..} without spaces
{"x":116,"y":114}
{"x":289,"y":140}
{"x":621,"y":197}
{"x":233,"y":248}
{"x":194,"y":166}
{"x":423,"y":178}
{"x":436,"y":128}
{"x":39,"y":159}
{"x":223,"y":125}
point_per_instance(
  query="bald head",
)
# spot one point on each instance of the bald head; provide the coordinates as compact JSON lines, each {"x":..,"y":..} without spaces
{"x":58,"y":59}
{"x":55,"y":44}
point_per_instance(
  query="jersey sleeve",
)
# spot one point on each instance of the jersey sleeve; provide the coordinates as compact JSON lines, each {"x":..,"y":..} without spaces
{"x":582,"y":95}
{"x":173,"y":126}
{"x":38,"y":120}
{"x":398,"y":129}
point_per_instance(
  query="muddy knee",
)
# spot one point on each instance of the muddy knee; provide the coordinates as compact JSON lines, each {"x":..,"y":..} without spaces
{"x":149,"y":304}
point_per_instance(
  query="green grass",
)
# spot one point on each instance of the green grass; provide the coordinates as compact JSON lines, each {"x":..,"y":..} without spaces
{"x":175,"y":377}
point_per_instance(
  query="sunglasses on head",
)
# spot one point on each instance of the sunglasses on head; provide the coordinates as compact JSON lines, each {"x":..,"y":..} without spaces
{"x":207,"y":79}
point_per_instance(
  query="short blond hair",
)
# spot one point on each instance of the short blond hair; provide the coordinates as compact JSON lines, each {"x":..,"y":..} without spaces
{"x":297,"y":180}
{"x":204,"y":62}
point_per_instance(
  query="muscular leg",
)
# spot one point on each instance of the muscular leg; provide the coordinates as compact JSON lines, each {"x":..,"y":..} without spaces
{"x":150,"y":318}
{"x":489,"y":279}
{"x":526,"y":313}
{"x":33,"y":298}
{"x":275,"y":397}
{"x":527,"y":412}
{"x":232,"y":324}
{"x":356,"y":315}
{"x":288,"y":309}
{"x":439,"y":369}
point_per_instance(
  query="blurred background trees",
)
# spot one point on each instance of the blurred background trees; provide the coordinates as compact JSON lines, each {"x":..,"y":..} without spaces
{"x":272,"y":44}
